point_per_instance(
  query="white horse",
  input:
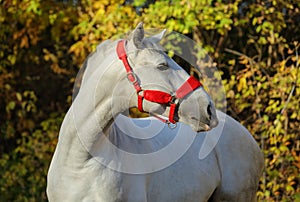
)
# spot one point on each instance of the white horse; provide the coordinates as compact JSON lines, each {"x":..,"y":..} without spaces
{"x":98,"y":159}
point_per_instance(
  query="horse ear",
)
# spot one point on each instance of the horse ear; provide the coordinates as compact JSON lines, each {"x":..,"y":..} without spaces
{"x":138,"y":35}
{"x":158,"y":37}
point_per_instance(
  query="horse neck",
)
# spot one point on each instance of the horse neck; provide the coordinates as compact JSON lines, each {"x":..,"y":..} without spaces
{"x":93,"y":109}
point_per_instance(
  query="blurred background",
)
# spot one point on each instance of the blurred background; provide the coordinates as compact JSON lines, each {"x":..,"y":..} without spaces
{"x":254,"y":43}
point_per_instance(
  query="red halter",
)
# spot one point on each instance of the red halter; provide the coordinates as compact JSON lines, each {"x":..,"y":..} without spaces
{"x":154,"y":95}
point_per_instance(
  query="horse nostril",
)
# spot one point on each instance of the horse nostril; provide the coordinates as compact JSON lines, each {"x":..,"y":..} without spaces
{"x":209,"y":112}
{"x":212,"y":115}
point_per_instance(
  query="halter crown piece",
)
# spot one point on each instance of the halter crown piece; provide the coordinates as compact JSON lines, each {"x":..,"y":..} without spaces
{"x":156,"y":96}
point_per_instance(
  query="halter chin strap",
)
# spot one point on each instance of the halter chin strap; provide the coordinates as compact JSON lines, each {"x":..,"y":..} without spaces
{"x":156,"y":96}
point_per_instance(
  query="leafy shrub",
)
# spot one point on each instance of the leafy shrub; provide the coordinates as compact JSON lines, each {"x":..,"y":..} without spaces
{"x":255,"y":45}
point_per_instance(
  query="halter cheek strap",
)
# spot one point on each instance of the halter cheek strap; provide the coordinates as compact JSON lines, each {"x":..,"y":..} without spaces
{"x":156,"y":96}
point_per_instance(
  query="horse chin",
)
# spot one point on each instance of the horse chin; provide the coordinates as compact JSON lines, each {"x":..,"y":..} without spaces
{"x":202,"y":128}
{"x":196,"y":125}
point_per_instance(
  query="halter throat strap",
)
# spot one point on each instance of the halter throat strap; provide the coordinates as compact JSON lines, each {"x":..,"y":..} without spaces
{"x":156,"y":96}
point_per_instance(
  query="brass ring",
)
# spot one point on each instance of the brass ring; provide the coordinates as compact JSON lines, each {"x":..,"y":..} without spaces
{"x":172,"y":127}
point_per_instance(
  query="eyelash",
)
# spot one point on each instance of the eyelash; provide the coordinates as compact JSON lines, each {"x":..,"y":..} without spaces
{"x":162,"y":67}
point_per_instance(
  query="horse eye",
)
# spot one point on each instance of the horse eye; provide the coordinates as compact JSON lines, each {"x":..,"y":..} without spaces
{"x":162,"y":67}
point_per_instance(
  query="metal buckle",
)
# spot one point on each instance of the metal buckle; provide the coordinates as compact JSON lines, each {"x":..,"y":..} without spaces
{"x":174,"y":100}
{"x":141,"y":93}
{"x":133,"y":75}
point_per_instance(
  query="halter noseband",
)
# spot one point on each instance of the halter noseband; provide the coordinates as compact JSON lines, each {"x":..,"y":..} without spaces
{"x":154,"y":95}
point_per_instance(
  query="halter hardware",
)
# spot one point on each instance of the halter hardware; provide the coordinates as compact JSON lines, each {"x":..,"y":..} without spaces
{"x":132,"y":78}
{"x":157,"y":96}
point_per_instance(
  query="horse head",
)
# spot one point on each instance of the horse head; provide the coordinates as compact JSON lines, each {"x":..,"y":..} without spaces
{"x":161,"y":85}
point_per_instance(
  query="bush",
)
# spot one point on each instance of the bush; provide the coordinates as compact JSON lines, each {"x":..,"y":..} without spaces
{"x":255,"y":45}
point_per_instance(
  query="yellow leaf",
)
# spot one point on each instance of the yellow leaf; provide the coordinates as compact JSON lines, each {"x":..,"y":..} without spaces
{"x":282,"y":65}
{"x":19,"y":96}
{"x":24,"y":42}
{"x":231,"y":62}
{"x":244,"y":60}
{"x":242,"y":84}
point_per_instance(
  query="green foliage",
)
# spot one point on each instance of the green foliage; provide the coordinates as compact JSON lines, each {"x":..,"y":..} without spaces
{"x":34,"y":65}
{"x":24,"y":169}
{"x":255,"y":45}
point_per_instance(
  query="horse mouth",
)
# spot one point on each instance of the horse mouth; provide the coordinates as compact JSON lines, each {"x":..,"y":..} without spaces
{"x":207,"y":127}
{"x":204,"y":127}
{"x":200,"y":127}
